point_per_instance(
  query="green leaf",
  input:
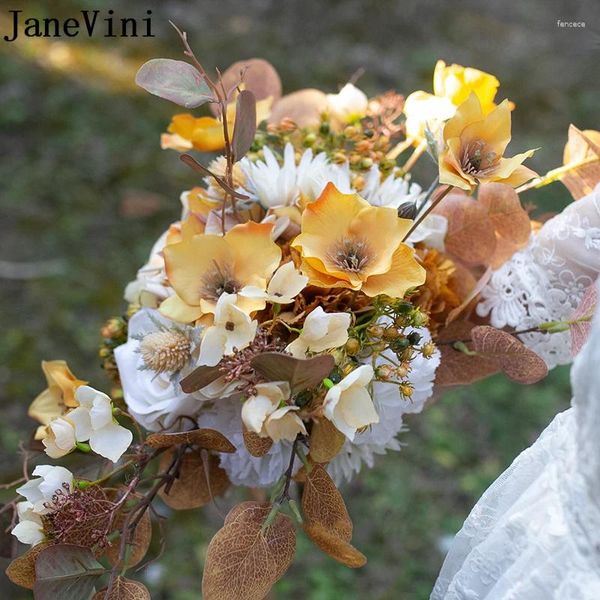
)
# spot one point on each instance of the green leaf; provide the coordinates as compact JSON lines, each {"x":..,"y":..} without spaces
{"x":300,"y":373}
{"x":244,"y":129}
{"x":174,"y":80}
{"x":66,"y":572}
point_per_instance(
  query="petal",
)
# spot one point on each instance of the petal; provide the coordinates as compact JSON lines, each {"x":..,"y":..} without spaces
{"x":467,"y":113}
{"x":208,"y":135}
{"x":29,"y":532}
{"x":255,"y":254}
{"x":519,"y":176}
{"x":82,"y":423}
{"x":255,"y":411}
{"x":58,"y":373}
{"x":405,"y":273}
{"x":287,"y":282}
{"x":176,"y":309}
{"x":356,"y":408}
{"x":111,"y":441}
{"x":494,"y":129}
{"x":507,"y":166}
{"x":190,"y":261}
{"x":46,"y":406}
{"x":31,"y":491}
{"x":284,"y":424}
{"x":101,"y":412}
{"x":212,"y":346}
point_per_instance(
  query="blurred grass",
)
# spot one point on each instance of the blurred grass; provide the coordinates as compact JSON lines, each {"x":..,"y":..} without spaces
{"x":78,"y":151}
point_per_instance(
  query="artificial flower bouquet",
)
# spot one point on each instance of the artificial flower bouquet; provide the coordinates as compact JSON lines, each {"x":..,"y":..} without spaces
{"x":310,"y":295}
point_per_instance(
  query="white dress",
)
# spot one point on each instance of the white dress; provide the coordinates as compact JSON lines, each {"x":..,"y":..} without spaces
{"x":535,"y":533}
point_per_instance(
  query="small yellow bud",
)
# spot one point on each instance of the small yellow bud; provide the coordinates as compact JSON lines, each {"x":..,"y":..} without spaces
{"x":352,"y":346}
{"x":402,"y":371}
{"x":406,"y":390}
{"x":391,"y":333}
{"x":428,"y":349}
{"x":375,"y":331}
{"x":384,"y":372}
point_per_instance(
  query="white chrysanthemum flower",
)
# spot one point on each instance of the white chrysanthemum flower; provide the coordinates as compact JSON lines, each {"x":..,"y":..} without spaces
{"x":391,"y":192}
{"x":390,"y":406}
{"x":157,"y":355}
{"x":242,"y":468}
{"x":273,"y":184}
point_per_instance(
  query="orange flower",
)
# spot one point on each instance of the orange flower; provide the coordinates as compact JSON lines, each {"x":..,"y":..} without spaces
{"x":346,"y":242}
{"x":202,"y":267}
{"x":474,"y":148}
{"x":187,"y":132}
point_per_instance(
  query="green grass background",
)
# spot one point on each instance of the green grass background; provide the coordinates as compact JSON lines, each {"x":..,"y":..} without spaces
{"x":76,"y":152}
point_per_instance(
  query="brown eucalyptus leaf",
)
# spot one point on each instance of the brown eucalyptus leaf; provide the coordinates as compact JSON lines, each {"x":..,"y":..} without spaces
{"x":582,"y":145}
{"x":322,"y":503}
{"x":325,"y":441}
{"x":210,"y":439}
{"x":243,"y":561}
{"x":303,"y":107}
{"x":244,"y":128}
{"x":257,"y":75}
{"x":300,"y":373}
{"x":581,"y":319}
{"x":174,"y":80}
{"x":458,"y":368}
{"x":138,"y":545}
{"x":256,"y":445}
{"x":124,"y":589}
{"x":470,"y":235}
{"x":21,"y":571}
{"x":191,"y":162}
{"x":67,"y":572}
{"x":191,"y":489}
{"x":509,"y":219}
{"x":518,"y":362}
{"x":334,"y":546}
{"x":199,"y":378}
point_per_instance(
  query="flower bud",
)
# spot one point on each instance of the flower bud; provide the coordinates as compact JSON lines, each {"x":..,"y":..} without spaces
{"x":352,"y":346}
{"x":428,"y":349}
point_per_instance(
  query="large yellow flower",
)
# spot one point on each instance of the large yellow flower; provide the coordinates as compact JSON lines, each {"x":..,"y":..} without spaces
{"x":202,"y":267}
{"x":452,"y":85}
{"x":57,"y":397}
{"x":346,"y":242}
{"x":475,"y":145}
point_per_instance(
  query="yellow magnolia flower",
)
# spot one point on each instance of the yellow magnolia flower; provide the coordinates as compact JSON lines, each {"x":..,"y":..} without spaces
{"x":203,"y":267}
{"x":57,"y":397}
{"x":346,"y":242}
{"x":474,"y":148}
{"x":186,"y":132}
{"x":452,"y":85}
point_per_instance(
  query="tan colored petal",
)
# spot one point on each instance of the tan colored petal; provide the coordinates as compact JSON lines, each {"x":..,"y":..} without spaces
{"x":405,"y":272}
{"x":176,"y":309}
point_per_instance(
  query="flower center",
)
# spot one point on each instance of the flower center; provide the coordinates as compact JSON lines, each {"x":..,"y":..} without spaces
{"x":165,"y":351}
{"x":217,"y":282}
{"x":350,"y":255}
{"x":478,"y":159}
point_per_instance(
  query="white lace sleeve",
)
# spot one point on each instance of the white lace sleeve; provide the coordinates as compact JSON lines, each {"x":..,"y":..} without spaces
{"x":535,"y":533}
{"x":546,"y":280}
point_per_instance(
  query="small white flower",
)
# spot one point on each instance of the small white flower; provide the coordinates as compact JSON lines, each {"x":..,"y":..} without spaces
{"x":232,"y":329}
{"x":287,"y":282}
{"x":348,"y":404}
{"x":48,"y":479}
{"x":264,"y":414}
{"x":92,"y":421}
{"x":348,"y":104}
{"x":321,"y":331}
{"x":59,"y":437}
{"x":29,"y":529}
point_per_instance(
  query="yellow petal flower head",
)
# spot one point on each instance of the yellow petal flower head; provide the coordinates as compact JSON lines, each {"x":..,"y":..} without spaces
{"x":452,"y":85}
{"x":203,"y":267}
{"x":58,"y":396}
{"x":187,"y":132}
{"x":475,"y":145}
{"x":346,"y":242}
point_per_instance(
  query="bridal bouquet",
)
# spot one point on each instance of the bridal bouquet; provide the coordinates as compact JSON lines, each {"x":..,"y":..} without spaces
{"x":310,"y":295}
